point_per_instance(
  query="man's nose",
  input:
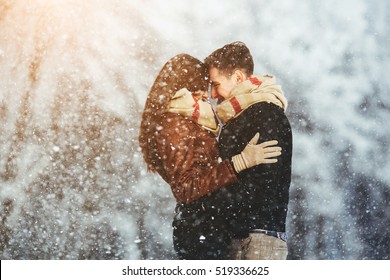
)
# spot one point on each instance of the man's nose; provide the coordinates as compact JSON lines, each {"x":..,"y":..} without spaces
{"x":214,"y":94}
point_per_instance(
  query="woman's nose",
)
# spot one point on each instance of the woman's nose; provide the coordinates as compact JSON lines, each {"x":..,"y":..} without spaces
{"x":201,"y":95}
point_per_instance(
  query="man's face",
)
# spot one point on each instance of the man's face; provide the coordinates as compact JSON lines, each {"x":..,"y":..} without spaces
{"x":221,"y":85}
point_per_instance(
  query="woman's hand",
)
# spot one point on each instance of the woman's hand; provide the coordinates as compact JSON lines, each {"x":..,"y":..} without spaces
{"x":254,"y":154}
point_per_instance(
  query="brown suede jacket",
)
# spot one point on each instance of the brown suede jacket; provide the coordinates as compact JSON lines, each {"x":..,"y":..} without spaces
{"x":190,"y":159}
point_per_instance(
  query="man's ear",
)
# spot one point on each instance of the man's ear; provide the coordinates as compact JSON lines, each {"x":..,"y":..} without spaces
{"x":240,"y":76}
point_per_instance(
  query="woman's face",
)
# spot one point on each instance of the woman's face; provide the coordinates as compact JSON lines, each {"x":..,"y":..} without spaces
{"x":200,"y":95}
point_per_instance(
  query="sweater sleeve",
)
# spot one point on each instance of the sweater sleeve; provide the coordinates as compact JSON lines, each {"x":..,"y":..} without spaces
{"x":191,"y":170}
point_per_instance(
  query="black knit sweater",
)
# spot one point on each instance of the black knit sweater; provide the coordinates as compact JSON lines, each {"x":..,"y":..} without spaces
{"x":260,"y":200}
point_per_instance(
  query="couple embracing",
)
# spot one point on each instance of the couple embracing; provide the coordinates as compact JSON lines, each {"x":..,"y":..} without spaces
{"x":231,"y":184}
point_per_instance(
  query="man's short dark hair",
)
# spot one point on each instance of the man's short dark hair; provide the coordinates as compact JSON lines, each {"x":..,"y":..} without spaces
{"x":230,"y":57}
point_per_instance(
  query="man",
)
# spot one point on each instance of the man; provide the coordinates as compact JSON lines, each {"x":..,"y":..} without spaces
{"x":246,"y":104}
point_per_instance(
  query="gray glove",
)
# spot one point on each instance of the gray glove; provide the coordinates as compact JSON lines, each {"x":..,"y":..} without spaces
{"x":254,"y":154}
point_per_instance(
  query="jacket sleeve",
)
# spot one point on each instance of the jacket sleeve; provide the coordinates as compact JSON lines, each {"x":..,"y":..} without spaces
{"x":190,"y":169}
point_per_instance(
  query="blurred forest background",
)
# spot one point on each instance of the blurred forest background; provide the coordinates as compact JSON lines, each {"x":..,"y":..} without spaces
{"x":74,"y":79}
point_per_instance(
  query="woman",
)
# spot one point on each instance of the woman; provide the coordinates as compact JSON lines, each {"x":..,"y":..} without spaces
{"x":178,"y":141}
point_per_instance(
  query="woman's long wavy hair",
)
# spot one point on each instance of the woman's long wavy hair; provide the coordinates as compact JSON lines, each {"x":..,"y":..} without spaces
{"x":181,"y":71}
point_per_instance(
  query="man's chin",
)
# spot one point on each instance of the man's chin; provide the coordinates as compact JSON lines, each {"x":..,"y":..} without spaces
{"x":220,"y":100}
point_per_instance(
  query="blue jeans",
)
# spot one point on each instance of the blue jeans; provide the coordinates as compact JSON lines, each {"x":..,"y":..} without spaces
{"x":258,"y":246}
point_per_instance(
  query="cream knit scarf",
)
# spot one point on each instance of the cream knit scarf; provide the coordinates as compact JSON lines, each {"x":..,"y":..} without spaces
{"x":198,"y":111}
{"x":249,"y":92}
